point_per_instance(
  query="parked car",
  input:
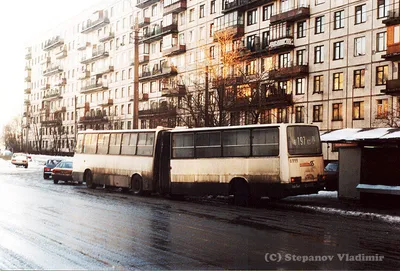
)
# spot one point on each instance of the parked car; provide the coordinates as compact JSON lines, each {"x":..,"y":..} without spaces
{"x":48,"y":166}
{"x":331,"y":172}
{"x":20,"y":159}
{"x":62,"y":172}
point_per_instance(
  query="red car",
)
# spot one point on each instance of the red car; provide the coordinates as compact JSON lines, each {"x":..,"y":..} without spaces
{"x":62,"y":172}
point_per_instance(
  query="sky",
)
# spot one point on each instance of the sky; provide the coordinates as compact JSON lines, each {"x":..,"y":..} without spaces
{"x":20,"y":22}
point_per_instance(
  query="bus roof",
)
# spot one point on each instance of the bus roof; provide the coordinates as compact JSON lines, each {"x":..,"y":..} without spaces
{"x":123,"y":131}
{"x":239,"y":127}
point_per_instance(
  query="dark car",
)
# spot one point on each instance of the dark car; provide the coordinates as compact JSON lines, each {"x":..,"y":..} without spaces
{"x":63,"y":172}
{"x":331,"y":172}
{"x":50,"y":164}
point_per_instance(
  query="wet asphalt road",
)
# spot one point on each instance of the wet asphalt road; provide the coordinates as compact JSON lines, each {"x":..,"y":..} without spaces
{"x":65,"y":226}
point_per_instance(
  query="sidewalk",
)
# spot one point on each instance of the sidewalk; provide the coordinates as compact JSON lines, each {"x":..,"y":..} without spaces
{"x":328,"y":202}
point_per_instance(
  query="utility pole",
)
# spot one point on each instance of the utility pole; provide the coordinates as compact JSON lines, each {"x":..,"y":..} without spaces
{"x":136,"y":76}
{"x":206,"y":102}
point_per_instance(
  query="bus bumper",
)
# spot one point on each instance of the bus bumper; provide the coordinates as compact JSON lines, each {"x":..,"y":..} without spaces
{"x":281,"y":190}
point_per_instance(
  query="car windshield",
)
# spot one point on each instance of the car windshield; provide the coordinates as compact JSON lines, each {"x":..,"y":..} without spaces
{"x":52,"y":162}
{"x":332,"y":167}
{"x":67,"y":164}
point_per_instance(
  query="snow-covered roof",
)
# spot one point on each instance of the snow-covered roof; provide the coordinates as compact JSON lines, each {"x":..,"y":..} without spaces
{"x":353,"y":134}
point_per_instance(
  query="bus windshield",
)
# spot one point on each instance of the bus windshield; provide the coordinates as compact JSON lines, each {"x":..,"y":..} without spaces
{"x":303,"y":140}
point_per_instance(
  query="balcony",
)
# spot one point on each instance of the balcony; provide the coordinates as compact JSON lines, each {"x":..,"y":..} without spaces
{"x":144,"y":21}
{"x":227,"y":81}
{"x":93,"y":119}
{"x":45,"y":60}
{"x":145,"y":3}
{"x":28,"y":68}
{"x":62,"y":82}
{"x":45,"y":87}
{"x":106,"y":37}
{"x":292,"y":15}
{"x":27,"y":91}
{"x":59,"y":110}
{"x":243,"y":5}
{"x":28,"y":78}
{"x":170,"y":29}
{"x":143,"y":97}
{"x":392,"y":87}
{"x":82,"y":46}
{"x":152,"y":35}
{"x":53,"y":43}
{"x":28,"y":56}
{"x":392,"y":19}
{"x":84,"y":75}
{"x":392,"y":52}
{"x":277,"y":98}
{"x":85,"y":105}
{"x":224,"y":32}
{"x":52,"y":95}
{"x":144,"y":58}
{"x":51,"y":122}
{"x":105,"y":70}
{"x":175,"y":7}
{"x":94,"y":25}
{"x":61,"y":54}
{"x":156,"y":74}
{"x":172,"y":91}
{"x":27,"y":102}
{"x":174,"y":50}
{"x":281,"y":44}
{"x":52,"y":70}
{"x":96,"y":55}
{"x":291,"y":71}
{"x":105,"y":103}
{"x":162,"y":110}
{"x":93,"y":87}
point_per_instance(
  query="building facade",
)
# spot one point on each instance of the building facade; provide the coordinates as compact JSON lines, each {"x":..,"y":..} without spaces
{"x":330,"y":63}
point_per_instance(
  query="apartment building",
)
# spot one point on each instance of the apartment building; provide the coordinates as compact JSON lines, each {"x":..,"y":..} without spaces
{"x":330,"y":63}
{"x":79,"y":76}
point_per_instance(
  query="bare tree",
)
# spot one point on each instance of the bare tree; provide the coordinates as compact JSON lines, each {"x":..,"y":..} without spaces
{"x":12,"y":135}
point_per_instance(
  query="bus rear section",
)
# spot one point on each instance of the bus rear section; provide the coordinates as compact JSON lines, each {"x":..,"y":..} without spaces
{"x":304,"y":160}
{"x":245,"y":161}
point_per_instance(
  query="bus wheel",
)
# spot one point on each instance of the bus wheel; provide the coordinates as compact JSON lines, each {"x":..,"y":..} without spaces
{"x":89,"y":180}
{"x":137,"y":185}
{"x":241,"y":192}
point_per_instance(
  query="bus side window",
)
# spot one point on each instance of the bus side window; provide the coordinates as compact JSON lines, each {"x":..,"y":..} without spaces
{"x":79,"y":144}
{"x":265,"y":142}
{"x":129,"y":144}
{"x":182,"y":145}
{"x":90,"y":143}
{"x":236,"y":143}
{"x":208,"y":144}
{"x":102,"y":143}
{"x":145,"y":144}
{"x":115,"y":144}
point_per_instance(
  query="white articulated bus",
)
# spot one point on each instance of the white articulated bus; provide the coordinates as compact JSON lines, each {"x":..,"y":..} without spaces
{"x":274,"y":160}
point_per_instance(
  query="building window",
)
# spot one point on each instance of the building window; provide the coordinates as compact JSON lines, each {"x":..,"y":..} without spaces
{"x":212,"y":52}
{"x":282,"y":116}
{"x":153,"y":10}
{"x":381,"y":75}
{"x":319,"y":54}
{"x":361,"y":14}
{"x":300,"y":86}
{"x":211,"y":29}
{"x":201,"y":11}
{"x":212,"y":7}
{"x":359,"y":81}
{"x":358,"y":110}
{"x":381,"y":108}
{"x":267,"y":12}
{"x":301,"y":29}
{"x":339,"y":19}
{"x":338,"y":81}
{"x":317,"y":113}
{"x":284,"y":60}
{"x":396,"y":34}
{"x":319,"y":24}
{"x":318,"y":83}
{"x":381,"y":42}
{"x":338,"y":52}
{"x":337,"y":111}
{"x":300,"y":57}
{"x":252,"y":17}
{"x":299,"y":114}
{"x":191,"y":15}
{"x":359,"y":46}
{"x":382,"y":9}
